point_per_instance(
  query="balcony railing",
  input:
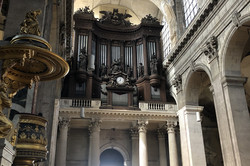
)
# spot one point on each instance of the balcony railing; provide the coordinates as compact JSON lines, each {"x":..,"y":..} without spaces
{"x":157,"y":107}
{"x":80,"y":103}
{"x":97,"y":103}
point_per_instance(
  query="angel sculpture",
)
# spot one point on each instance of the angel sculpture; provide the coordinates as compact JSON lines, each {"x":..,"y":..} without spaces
{"x":30,"y":23}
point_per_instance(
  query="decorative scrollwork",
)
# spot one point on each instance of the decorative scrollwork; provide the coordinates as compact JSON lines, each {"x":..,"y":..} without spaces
{"x":115,"y":18}
{"x":211,"y":48}
{"x":149,"y":19}
{"x":177,"y":82}
{"x":85,"y":10}
{"x":142,"y":125}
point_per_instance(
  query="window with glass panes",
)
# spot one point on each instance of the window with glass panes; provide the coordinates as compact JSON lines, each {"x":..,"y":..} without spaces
{"x":190,"y":10}
{"x":165,"y":38}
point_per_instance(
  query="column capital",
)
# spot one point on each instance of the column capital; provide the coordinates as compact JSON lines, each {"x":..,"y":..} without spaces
{"x":63,"y":122}
{"x":233,"y":81}
{"x":95,"y":125}
{"x":190,"y":109}
{"x":134,"y":133}
{"x":142,"y":125}
{"x":170,"y":125}
{"x":161,"y":133}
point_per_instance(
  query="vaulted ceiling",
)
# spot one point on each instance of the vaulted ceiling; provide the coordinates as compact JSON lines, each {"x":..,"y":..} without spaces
{"x":137,"y":8}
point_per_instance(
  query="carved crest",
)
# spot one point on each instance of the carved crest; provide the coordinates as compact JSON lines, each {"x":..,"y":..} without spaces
{"x":115,"y":18}
{"x":211,"y":48}
{"x":149,"y":19}
{"x":85,"y":10}
{"x":177,"y":82}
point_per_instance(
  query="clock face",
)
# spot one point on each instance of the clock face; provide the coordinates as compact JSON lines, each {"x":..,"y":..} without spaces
{"x":120,"y":80}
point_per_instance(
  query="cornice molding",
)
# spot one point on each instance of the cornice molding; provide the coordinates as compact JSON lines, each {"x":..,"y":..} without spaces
{"x":107,"y":114}
{"x":191,"y":31}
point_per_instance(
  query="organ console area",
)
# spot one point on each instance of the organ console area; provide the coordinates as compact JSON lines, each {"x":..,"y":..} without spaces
{"x":115,"y":61}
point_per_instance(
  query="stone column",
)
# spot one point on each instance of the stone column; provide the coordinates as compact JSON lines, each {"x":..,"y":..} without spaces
{"x":135,"y":146}
{"x":143,"y":154}
{"x":61,"y":149}
{"x":173,"y":155}
{"x":162,"y":148}
{"x":94,"y":143}
{"x":238,"y":115}
{"x":192,"y":145}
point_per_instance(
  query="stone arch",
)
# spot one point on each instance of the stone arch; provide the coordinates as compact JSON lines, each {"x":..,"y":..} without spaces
{"x":235,"y":54}
{"x":118,"y":147}
{"x":233,"y":49}
{"x":193,"y":83}
{"x":197,"y":92}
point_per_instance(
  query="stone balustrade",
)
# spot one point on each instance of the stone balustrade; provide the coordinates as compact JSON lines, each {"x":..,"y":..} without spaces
{"x":171,"y":108}
{"x":80,"y":103}
{"x":157,"y":107}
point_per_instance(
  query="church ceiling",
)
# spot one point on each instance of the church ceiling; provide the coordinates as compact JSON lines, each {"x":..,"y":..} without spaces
{"x":137,"y":8}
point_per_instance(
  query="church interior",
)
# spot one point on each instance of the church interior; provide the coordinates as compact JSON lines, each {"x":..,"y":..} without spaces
{"x":124,"y":82}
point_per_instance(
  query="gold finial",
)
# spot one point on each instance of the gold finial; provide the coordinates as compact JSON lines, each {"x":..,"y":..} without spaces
{"x":30,"y":23}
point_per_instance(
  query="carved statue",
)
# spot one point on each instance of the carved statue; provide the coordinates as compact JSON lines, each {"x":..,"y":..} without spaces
{"x":70,"y":61}
{"x":5,"y":102}
{"x":129,"y":71}
{"x":115,"y":18}
{"x":103,"y":70}
{"x":116,"y":66}
{"x":141,"y":70}
{"x":83,"y":59}
{"x":154,"y":64}
{"x":30,"y":24}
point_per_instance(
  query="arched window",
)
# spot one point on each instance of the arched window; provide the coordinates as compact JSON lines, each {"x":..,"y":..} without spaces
{"x":111,"y":157}
{"x":165,"y":38}
{"x":190,"y":10}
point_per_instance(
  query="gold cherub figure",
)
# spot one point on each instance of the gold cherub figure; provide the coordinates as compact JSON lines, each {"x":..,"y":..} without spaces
{"x":30,"y":24}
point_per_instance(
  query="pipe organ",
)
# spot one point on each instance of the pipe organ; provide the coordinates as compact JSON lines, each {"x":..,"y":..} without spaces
{"x":115,"y":61}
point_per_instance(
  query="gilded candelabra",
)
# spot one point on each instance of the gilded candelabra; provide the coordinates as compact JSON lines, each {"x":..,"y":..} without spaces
{"x":27,"y":59}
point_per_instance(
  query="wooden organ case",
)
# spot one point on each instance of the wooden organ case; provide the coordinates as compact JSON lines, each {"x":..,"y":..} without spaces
{"x":115,"y":61}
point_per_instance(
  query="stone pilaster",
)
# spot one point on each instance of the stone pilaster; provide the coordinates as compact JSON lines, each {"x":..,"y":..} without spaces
{"x":173,"y":155}
{"x":162,"y":148}
{"x":238,"y":116}
{"x":7,"y":153}
{"x":135,"y":146}
{"x":143,"y":154}
{"x":192,"y":145}
{"x":94,"y":142}
{"x":62,"y":141}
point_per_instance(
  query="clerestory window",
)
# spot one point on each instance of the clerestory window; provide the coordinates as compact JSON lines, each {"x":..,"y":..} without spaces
{"x":190,"y":10}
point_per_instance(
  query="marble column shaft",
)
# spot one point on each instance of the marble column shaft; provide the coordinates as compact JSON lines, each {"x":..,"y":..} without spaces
{"x":94,"y":147}
{"x":135,"y":146}
{"x":173,"y":155}
{"x":162,"y":148}
{"x":143,"y":154}
{"x":61,"y":148}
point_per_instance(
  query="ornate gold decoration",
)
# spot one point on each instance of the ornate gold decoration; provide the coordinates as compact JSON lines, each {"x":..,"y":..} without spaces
{"x":30,"y":24}
{"x":31,"y":142}
{"x":27,"y":59}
